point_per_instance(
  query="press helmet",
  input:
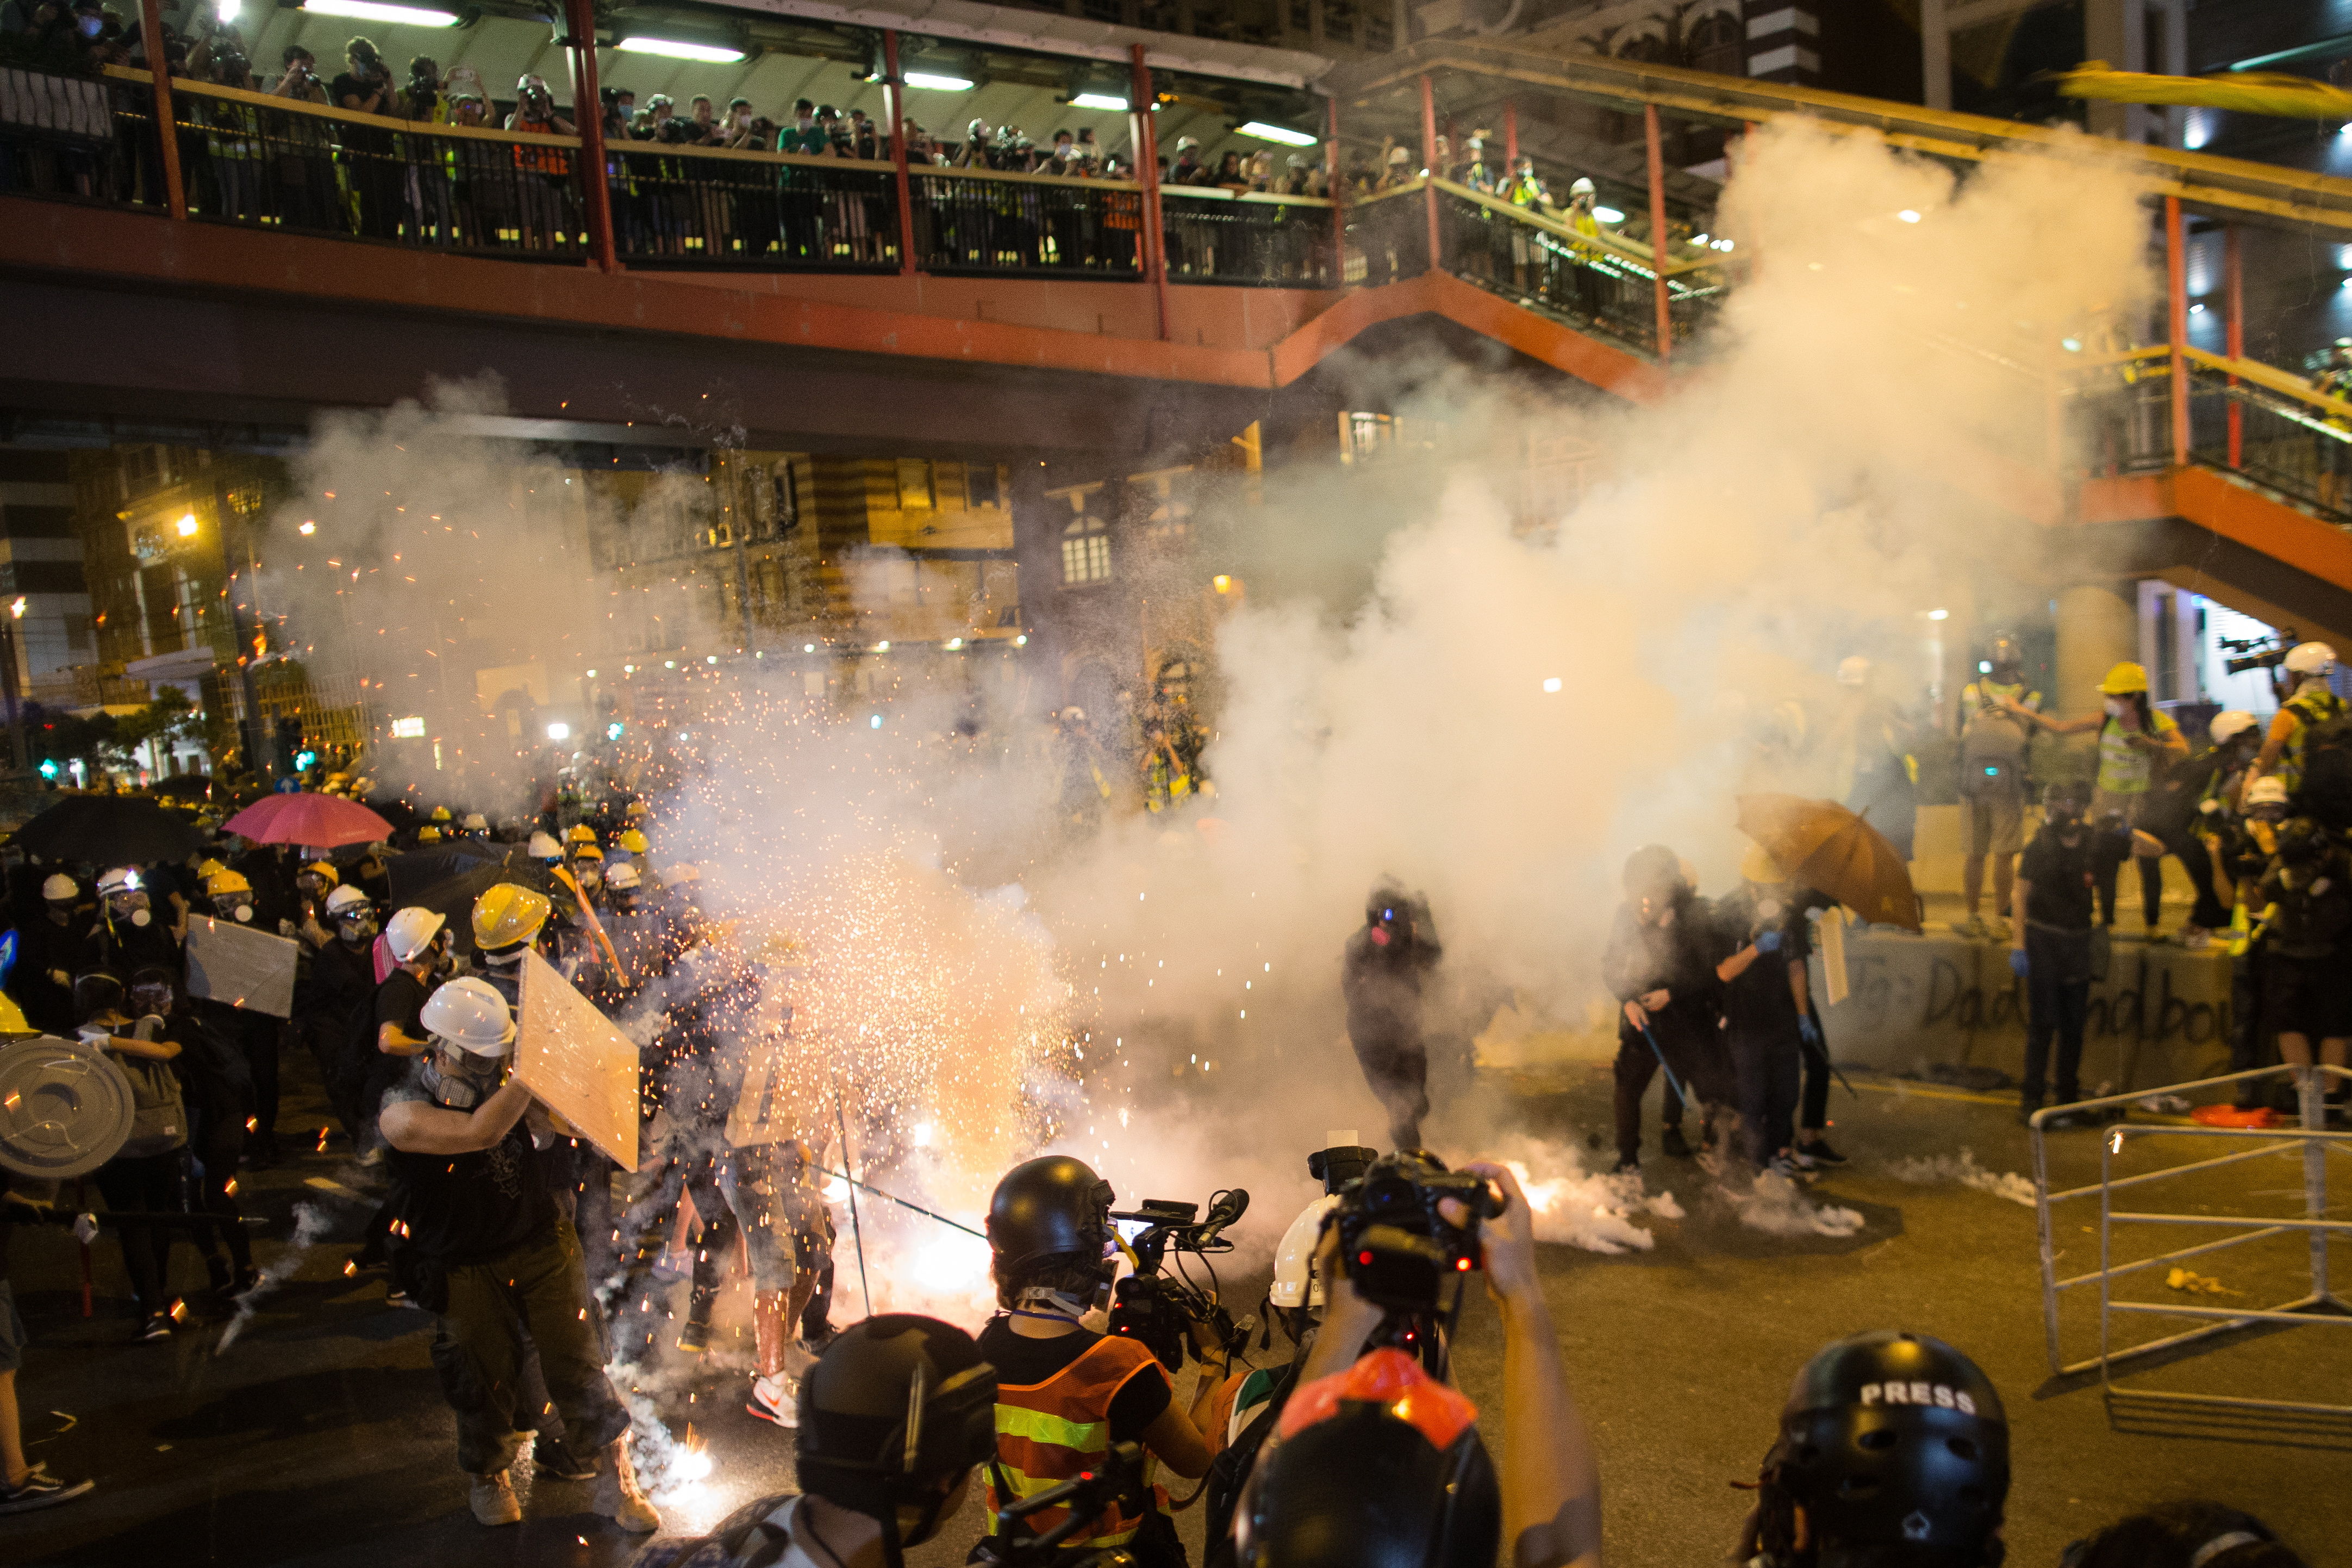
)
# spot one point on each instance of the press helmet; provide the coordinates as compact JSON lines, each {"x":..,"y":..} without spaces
{"x":1295,"y":1281}
{"x":1380,"y":1466}
{"x":1583,"y":187}
{"x":411,"y":931}
{"x":509,"y":916}
{"x":1896,"y":1448}
{"x":470,"y":1015}
{"x":2311,"y":658}
{"x":2270,"y":789}
{"x":1048,"y":1208}
{"x":2228,"y":725}
{"x":896,"y":1412}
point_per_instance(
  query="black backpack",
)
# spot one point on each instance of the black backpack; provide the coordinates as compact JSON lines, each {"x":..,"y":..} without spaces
{"x":2327,"y":790}
{"x":1229,"y":1472}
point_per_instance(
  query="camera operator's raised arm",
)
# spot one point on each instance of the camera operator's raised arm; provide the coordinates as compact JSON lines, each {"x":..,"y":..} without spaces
{"x":1551,"y":1484}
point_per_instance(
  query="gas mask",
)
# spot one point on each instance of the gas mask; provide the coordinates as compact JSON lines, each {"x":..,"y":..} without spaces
{"x":356,"y":931}
{"x":590,"y":876}
{"x":130,"y":906}
{"x":2065,"y":812}
{"x":458,"y":1079}
{"x":155,"y":999}
{"x":234,"y":907}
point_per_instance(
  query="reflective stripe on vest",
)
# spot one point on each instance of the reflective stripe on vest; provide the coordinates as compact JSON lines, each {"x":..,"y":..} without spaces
{"x":2311,"y":707}
{"x":1056,"y":1431}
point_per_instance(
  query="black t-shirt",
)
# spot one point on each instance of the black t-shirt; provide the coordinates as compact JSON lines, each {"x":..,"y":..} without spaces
{"x":1642,"y":958}
{"x":1382,"y":981}
{"x":127,"y":947}
{"x":364,"y":138}
{"x":401,"y":1000}
{"x":339,"y":982}
{"x":43,"y":946}
{"x":1760,"y":999}
{"x":1020,"y":1361}
{"x":465,"y":1209}
{"x":2061,"y":875}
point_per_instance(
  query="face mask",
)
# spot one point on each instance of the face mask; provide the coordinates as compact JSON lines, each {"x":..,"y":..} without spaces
{"x":356,"y":933}
{"x":151,"y":998}
{"x":140,"y":916}
{"x":2118,"y":710}
{"x":461,"y":1090}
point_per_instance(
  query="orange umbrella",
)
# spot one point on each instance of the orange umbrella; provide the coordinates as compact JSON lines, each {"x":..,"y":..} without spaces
{"x":1830,"y":850}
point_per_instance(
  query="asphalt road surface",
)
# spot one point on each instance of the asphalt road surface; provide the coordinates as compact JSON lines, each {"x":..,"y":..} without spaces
{"x":317,"y":1435}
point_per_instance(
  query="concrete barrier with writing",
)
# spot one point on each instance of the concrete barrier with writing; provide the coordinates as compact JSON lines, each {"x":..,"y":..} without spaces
{"x":2161,"y":1015}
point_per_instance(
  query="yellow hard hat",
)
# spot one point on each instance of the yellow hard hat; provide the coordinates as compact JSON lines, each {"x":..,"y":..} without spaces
{"x":637,"y":809}
{"x":580,"y":833}
{"x":586,"y":853}
{"x":507,"y":915}
{"x":633,"y":842}
{"x":209,"y":868}
{"x":780,"y":950}
{"x":327,"y":871}
{"x":1757,"y":865}
{"x":429,"y":834}
{"x":225,"y":882}
{"x":440,"y":813}
{"x":2125,"y":679}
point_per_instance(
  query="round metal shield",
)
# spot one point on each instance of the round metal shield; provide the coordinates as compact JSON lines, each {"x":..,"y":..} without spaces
{"x":65,"y":1109}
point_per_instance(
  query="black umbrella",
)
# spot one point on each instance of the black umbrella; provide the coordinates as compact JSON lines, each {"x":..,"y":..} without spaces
{"x":184,"y":787}
{"x":417,"y":869}
{"x":452,"y":897}
{"x":109,"y":829}
{"x":395,"y":811}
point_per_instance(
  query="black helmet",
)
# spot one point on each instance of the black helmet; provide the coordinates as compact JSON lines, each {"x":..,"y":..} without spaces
{"x":1377,"y":1466}
{"x":1897,"y":1448}
{"x":2074,"y":792}
{"x":1050,"y":1208}
{"x":2179,"y":1534}
{"x":898,"y":1409}
{"x":97,"y":991}
{"x":2004,"y":649}
{"x":1651,"y":869}
{"x":2301,"y":840}
{"x":1388,"y":904}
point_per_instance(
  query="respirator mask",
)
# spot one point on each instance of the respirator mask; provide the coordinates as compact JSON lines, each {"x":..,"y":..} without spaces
{"x":234,"y":907}
{"x":464,"y":1086}
{"x":130,"y":906}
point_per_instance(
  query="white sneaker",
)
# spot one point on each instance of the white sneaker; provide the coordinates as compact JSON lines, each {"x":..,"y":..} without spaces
{"x":776,"y":1399}
{"x":494,"y":1500}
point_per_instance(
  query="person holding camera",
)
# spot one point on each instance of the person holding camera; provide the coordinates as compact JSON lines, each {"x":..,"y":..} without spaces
{"x":893,"y":1419}
{"x":1768,"y":1019}
{"x":1658,"y":967}
{"x":480,"y":1244}
{"x":2056,"y":885}
{"x":1998,"y":715}
{"x":1893,"y":1451}
{"x":1066,"y":1394}
{"x":1373,"y":1460}
{"x":2310,"y":703}
{"x":371,"y":160}
{"x":301,"y":78}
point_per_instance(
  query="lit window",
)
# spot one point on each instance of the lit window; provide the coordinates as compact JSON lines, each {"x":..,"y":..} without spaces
{"x":411,"y":728}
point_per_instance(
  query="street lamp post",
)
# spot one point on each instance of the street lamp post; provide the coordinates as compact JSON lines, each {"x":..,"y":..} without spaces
{"x":8,"y":685}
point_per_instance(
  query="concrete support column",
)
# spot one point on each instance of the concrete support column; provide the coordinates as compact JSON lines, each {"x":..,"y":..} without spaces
{"x":1934,"y":54}
{"x":2099,"y":628}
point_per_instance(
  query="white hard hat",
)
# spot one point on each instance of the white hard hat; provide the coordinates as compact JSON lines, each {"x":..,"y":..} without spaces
{"x":1293,"y":1260}
{"x":622,"y":875}
{"x":1583,"y":188}
{"x":2268,"y":790}
{"x":680,"y":875}
{"x":1852,"y":670}
{"x":345,"y":896}
{"x":2310,"y":659}
{"x":411,"y":931}
{"x":122,"y":879}
{"x":2228,"y":726}
{"x":470,"y":1015}
{"x":543,"y":846}
{"x":60,"y":887}
{"x":476,"y":823}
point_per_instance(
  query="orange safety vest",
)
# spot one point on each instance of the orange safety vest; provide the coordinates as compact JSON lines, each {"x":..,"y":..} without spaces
{"x":1057,"y":1430}
{"x":545,"y":159}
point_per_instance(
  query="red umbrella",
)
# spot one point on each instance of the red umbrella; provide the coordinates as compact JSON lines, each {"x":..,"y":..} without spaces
{"x":323,"y":820}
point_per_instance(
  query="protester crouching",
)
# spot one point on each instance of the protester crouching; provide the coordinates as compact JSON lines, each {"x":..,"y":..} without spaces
{"x":1659,"y":969}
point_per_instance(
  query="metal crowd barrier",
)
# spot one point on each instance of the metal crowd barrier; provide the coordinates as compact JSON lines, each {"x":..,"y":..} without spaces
{"x":2317,"y":1306}
{"x":777,"y":211}
{"x":979,"y":221}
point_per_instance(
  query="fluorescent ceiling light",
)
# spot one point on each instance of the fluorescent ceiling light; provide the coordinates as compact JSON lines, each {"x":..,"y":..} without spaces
{"x":1099,"y":101}
{"x":934,"y":82}
{"x":1282,"y":133}
{"x":375,"y":11}
{"x":678,"y":49}
{"x":1608,"y":214}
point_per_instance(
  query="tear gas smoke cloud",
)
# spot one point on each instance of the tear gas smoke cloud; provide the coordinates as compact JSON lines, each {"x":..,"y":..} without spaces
{"x":1874,"y":390}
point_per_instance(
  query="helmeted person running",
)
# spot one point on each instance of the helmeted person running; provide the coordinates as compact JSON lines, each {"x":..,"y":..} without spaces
{"x":480,"y":1244}
{"x":1387,"y":966}
{"x":1065,"y":1394}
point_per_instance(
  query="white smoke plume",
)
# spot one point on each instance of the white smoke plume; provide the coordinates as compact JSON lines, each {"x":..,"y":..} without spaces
{"x":312,"y":1225}
{"x":1935,"y":1170}
{"x":1421,"y":685}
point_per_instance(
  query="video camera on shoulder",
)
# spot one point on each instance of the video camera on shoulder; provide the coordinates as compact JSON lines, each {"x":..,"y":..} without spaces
{"x":1396,"y":1248}
{"x":1156,"y":1308}
{"x":1120,"y":1474}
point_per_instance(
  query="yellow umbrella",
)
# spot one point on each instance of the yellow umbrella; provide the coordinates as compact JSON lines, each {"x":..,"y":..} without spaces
{"x":1830,"y":850}
{"x":2247,"y":92}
